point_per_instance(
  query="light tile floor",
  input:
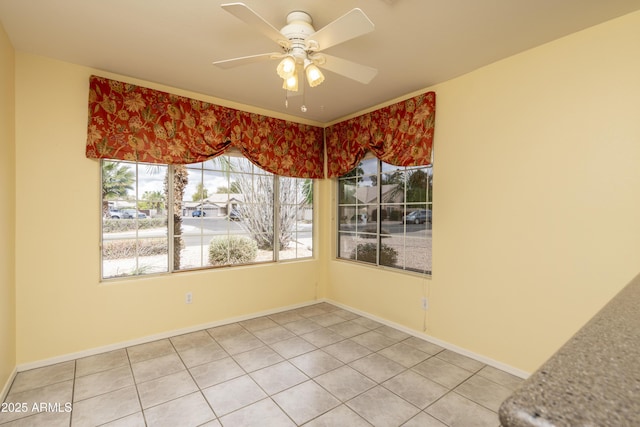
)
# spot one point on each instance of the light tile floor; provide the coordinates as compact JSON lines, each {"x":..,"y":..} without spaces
{"x":315,"y":366}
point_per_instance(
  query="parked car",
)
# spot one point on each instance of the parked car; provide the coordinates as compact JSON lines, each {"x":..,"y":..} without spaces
{"x":113,"y":214}
{"x":234,"y":215}
{"x":198,"y":213}
{"x":419,"y":216}
{"x":132,"y":213}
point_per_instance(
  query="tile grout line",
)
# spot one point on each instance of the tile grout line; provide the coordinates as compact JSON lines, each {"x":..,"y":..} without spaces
{"x":73,"y":390}
{"x":215,"y":416}
{"x":307,"y":313}
{"x":135,"y":384}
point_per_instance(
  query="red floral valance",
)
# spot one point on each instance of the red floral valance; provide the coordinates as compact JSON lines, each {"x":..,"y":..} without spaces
{"x":400,"y":134}
{"x":129,"y":122}
{"x":284,"y":148}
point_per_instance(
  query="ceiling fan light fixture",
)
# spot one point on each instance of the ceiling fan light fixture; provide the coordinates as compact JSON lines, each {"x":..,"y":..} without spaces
{"x":291,"y":83}
{"x":314,"y":75}
{"x":286,"y":67}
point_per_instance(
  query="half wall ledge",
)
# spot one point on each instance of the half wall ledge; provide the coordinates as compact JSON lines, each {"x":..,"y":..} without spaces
{"x":593,"y":380}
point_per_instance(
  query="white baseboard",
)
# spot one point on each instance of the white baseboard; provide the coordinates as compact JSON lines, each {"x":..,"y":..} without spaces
{"x":7,"y":385}
{"x":480,"y":358}
{"x":103,"y":349}
{"x":91,"y":352}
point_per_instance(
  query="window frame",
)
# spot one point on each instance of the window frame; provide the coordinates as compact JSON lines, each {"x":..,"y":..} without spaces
{"x":170,"y":235}
{"x":378,"y":207}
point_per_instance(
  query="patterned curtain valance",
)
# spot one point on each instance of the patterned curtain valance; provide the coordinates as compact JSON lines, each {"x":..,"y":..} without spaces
{"x":129,"y":122}
{"x":400,"y":134}
{"x":281,"y":147}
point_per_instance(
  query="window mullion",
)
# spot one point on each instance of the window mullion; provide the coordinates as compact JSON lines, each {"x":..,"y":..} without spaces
{"x":379,"y":213}
{"x":170,"y":220}
{"x":276,"y":217}
{"x":201,"y":218}
{"x":136,"y":231}
{"x":404,"y":208}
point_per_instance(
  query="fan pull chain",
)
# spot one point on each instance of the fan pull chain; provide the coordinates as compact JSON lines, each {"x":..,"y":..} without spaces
{"x":303,"y":107}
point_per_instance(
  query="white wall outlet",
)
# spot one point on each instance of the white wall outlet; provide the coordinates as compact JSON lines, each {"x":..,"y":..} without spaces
{"x":424,"y":303}
{"x":188,"y":298}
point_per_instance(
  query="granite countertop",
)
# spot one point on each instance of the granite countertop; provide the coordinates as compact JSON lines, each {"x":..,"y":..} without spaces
{"x":593,"y":380}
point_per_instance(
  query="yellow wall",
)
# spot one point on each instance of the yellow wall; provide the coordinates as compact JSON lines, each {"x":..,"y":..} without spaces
{"x":62,"y":308}
{"x":7,"y":213}
{"x":535,"y":217}
{"x":536,"y":200}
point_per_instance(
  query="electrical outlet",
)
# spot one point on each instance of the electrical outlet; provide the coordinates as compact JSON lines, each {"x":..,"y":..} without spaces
{"x":188,"y":298}
{"x":424,"y":303}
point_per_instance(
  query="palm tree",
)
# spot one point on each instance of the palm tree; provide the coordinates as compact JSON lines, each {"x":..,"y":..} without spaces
{"x":410,"y":185}
{"x":154,"y":200}
{"x":117,"y":181}
{"x":180,"y":181}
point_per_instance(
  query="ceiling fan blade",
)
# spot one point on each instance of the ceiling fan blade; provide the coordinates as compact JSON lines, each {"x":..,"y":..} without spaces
{"x":235,"y":62}
{"x":358,"y":72}
{"x":257,"y":22}
{"x":350,"y":25}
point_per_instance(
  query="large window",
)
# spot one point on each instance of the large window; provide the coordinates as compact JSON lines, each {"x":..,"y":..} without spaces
{"x":225,"y":211}
{"x":384,"y":215}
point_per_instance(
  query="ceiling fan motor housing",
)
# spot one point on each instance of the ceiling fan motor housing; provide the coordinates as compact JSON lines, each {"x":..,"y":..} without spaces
{"x":297,"y":30}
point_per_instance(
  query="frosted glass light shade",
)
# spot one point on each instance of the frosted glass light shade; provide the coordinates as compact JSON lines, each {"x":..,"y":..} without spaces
{"x":286,"y":67}
{"x":291,"y":83}
{"x":314,"y":75}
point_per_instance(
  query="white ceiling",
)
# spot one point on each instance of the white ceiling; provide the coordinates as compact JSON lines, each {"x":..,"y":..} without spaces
{"x":415,"y":44}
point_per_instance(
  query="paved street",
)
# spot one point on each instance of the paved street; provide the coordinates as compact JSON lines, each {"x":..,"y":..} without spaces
{"x":198,"y":231}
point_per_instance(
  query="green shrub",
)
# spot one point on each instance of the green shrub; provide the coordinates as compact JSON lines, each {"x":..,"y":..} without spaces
{"x":119,"y":249}
{"x":120,"y":225}
{"x":232,"y":250}
{"x":366,"y":252}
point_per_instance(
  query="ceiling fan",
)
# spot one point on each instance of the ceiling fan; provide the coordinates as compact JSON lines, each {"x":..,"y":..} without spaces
{"x":301,"y":45}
